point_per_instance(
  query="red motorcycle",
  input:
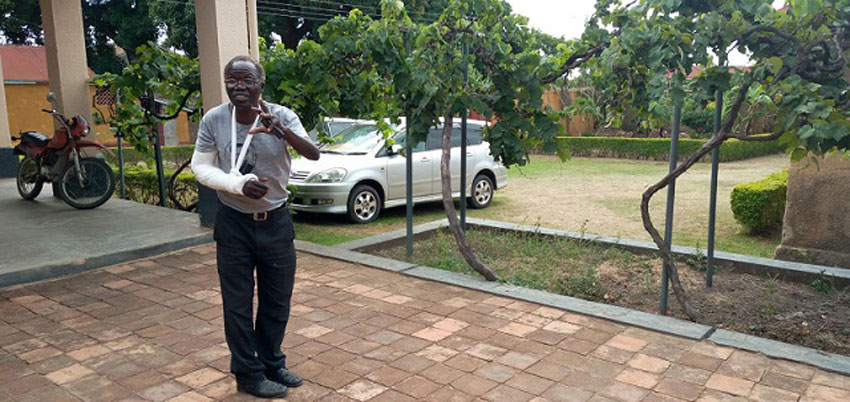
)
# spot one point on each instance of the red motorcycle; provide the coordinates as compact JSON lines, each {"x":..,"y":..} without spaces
{"x":82,"y":182}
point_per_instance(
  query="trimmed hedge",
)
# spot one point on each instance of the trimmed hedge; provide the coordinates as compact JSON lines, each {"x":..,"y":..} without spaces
{"x":172,"y":156}
{"x":760,"y":205}
{"x":142,"y":186}
{"x":659,"y":148}
{"x":603,"y":147}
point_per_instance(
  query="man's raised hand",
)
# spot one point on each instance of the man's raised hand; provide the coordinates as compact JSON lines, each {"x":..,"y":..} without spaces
{"x":267,"y":118}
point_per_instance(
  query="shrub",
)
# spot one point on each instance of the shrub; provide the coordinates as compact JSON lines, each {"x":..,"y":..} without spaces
{"x":825,"y":283}
{"x":760,"y":205}
{"x":172,"y":156}
{"x":585,"y":285}
{"x":142,"y":186}
{"x":659,"y":148}
{"x":698,"y":118}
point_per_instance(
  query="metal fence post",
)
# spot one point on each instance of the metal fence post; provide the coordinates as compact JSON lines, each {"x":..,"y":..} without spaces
{"x":712,"y":208}
{"x":148,"y":102}
{"x":671,"y":197}
{"x":160,"y":172}
{"x":122,"y":184}
{"x":408,"y":149}
{"x":463,"y":141}
{"x":408,"y":174}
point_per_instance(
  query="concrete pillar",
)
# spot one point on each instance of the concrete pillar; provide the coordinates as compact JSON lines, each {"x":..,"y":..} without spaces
{"x":169,"y":131}
{"x":67,"y":67}
{"x":253,"y":30}
{"x":222,"y":35}
{"x":816,"y":228}
{"x":8,"y":161}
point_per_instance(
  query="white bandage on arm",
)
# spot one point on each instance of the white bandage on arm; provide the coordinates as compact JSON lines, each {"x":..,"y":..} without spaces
{"x":210,"y":175}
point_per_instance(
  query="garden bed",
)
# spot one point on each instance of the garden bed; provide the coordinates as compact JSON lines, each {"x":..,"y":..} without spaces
{"x":813,"y":313}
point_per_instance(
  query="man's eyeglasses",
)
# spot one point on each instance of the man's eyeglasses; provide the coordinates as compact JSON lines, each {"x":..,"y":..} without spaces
{"x":248,"y":82}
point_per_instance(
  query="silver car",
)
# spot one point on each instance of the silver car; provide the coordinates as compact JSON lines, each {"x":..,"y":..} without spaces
{"x":332,"y":126}
{"x":359,"y":175}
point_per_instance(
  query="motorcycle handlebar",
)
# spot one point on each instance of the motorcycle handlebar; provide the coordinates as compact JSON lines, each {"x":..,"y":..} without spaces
{"x":57,"y":115}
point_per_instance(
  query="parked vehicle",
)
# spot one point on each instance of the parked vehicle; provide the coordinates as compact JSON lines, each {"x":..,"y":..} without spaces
{"x":82,"y":182}
{"x":332,"y":127}
{"x":359,"y":175}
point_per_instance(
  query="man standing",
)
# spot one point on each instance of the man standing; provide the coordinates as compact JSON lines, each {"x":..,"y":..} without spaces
{"x":253,"y":228}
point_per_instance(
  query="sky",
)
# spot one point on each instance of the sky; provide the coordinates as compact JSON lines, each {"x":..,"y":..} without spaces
{"x":567,"y":17}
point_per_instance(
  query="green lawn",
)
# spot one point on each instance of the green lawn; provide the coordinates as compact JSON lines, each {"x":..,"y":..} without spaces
{"x":594,"y":195}
{"x":330,"y":230}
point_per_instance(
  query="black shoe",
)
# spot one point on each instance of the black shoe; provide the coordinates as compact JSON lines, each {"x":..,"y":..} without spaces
{"x":262,"y":389}
{"x":285,"y":377}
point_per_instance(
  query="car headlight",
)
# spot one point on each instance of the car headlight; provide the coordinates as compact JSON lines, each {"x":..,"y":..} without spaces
{"x":334,"y":175}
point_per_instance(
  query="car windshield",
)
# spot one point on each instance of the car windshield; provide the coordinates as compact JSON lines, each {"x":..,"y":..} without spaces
{"x":337,"y":127}
{"x":355,"y":140}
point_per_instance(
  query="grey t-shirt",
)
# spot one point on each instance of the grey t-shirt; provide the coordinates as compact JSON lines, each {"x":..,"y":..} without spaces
{"x":267,"y":156}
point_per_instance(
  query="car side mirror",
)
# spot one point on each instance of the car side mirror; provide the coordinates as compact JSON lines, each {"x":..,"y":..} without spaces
{"x":395,"y":149}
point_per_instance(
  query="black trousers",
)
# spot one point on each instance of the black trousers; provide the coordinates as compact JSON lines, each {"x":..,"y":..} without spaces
{"x":242,"y":245}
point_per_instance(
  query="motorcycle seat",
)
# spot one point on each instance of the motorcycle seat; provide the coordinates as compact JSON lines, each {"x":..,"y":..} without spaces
{"x":35,"y":138}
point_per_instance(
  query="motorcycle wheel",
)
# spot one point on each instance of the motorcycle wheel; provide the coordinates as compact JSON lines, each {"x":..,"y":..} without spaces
{"x":29,"y":184}
{"x":97,"y":186}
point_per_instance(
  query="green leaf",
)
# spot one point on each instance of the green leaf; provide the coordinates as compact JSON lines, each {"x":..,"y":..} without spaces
{"x":774,"y":64}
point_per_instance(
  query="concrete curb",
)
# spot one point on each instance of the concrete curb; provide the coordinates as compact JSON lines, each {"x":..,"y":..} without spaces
{"x":621,"y":315}
{"x":353,"y":256}
{"x":51,"y":271}
{"x":393,"y":235}
{"x":782,"y":350}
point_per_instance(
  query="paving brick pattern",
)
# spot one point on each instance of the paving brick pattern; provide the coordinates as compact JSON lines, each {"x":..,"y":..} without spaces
{"x":152,"y":330}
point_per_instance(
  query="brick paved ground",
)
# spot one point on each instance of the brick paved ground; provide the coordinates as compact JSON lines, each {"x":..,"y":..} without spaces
{"x":152,"y":330}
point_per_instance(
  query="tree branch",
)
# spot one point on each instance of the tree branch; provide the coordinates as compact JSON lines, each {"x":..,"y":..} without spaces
{"x":709,"y":146}
{"x":574,"y":61}
{"x":757,"y":138}
{"x":177,"y":112}
{"x":783,"y":37}
{"x":735,"y":110}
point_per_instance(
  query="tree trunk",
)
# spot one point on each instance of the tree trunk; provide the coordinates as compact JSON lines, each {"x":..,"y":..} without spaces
{"x":714,"y":142}
{"x":449,"y":206}
{"x":666,"y":253}
{"x":294,"y":33}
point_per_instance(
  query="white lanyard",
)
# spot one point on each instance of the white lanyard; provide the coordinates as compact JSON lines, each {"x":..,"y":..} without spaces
{"x":235,"y":164}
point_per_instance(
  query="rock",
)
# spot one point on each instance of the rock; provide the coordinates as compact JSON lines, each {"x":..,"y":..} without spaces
{"x":816,"y":228}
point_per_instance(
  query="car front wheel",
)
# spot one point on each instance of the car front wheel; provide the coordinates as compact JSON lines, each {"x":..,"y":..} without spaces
{"x":482,"y":192}
{"x":364,"y":204}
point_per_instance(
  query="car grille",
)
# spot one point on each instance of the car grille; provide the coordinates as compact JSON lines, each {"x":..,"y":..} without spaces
{"x":298,"y":175}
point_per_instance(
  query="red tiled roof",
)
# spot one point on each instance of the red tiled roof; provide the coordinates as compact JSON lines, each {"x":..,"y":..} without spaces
{"x":25,"y":63}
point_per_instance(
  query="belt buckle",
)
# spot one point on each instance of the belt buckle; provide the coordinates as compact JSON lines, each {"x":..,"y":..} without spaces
{"x":261,"y":216}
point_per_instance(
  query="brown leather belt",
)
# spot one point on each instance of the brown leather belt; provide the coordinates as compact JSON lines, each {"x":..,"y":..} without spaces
{"x":259,"y":216}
